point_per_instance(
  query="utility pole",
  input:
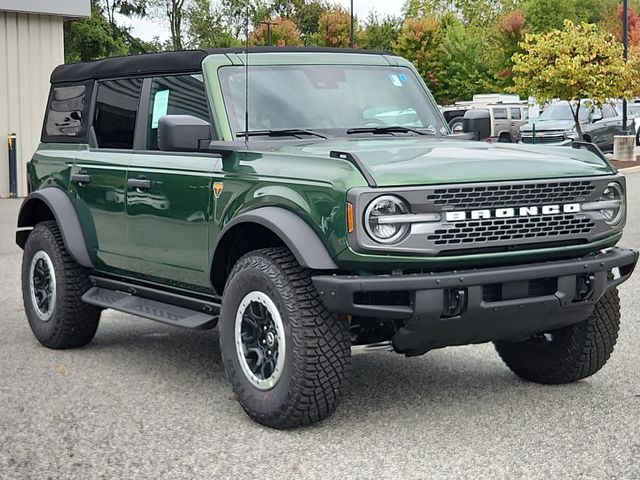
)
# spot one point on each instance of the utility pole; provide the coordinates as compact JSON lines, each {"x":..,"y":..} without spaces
{"x":353,"y":40}
{"x":625,"y":42}
{"x":268,"y":24}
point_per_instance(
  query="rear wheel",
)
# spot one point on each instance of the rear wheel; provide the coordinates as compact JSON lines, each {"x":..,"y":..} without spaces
{"x":52,"y":288}
{"x":567,"y":354}
{"x":283,"y":352}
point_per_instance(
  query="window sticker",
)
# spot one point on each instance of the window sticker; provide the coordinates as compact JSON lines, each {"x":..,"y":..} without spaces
{"x":403,"y":78}
{"x":395,"y":79}
{"x":160,"y":106}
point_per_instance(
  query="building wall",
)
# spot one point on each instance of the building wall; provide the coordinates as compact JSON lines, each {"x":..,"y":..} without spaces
{"x":31,"y":46}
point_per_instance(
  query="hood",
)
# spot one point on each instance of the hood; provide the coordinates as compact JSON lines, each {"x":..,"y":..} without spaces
{"x":547,"y":125}
{"x":430,"y":161}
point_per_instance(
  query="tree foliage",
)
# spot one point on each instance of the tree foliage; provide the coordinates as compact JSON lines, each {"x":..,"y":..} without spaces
{"x":460,"y":47}
{"x":334,"y":29}
{"x":577,"y":62}
{"x":463,"y":68}
{"x":380,"y":33}
{"x":420,"y":41}
{"x":284,"y":32}
{"x":206,"y":27}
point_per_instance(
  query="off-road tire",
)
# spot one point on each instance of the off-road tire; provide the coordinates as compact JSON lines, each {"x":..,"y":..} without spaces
{"x":317,"y":342}
{"x":73,"y":323}
{"x":575,"y":352}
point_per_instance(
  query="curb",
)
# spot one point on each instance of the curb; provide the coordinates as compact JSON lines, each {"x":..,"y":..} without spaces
{"x":628,"y":170}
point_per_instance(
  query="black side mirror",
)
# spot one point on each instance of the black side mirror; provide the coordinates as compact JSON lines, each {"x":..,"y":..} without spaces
{"x":478,"y":123}
{"x":183,"y":133}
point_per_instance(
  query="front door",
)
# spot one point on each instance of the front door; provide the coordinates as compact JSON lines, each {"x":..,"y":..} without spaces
{"x":170,"y":194}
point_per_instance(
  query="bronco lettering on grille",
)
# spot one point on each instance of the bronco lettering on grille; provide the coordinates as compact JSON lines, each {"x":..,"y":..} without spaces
{"x":510,"y":212}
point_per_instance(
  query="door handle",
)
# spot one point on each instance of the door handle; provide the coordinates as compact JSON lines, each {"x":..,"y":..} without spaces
{"x":141,"y":183}
{"x":81,"y":178}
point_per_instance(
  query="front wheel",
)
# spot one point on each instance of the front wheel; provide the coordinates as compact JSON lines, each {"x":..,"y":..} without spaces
{"x":283,"y":352}
{"x":570,"y":353}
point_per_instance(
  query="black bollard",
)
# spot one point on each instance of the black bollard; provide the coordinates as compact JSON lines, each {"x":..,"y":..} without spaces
{"x":13,"y":165}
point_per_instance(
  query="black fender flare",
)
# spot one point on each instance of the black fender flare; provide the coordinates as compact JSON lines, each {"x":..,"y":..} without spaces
{"x":297,"y":235}
{"x":65,"y":216}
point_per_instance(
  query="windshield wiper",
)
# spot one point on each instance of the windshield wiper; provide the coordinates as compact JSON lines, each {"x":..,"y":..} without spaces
{"x":383,"y":130}
{"x":282,"y":132}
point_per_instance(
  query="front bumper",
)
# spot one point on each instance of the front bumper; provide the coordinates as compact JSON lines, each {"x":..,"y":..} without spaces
{"x":481,"y":305}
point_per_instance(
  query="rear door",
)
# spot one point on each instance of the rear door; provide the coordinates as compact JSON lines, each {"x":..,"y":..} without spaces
{"x":169,"y":195}
{"x":99,"y":173}
{"x":501,"y":122}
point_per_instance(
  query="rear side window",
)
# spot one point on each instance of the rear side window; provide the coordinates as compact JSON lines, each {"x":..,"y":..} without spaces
{"x":608,"y":111}
{"x":516,"y":114}
{"x":66,"y":116}
{"x":500,"y":113}
{"x":177,"y":95}
{"x":114,"y":122}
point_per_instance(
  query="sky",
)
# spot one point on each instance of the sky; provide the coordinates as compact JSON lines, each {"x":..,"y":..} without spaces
{"x":148,"y":29}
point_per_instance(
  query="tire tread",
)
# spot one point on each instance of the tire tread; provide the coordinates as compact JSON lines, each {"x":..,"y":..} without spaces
{"x":323,"y":343}
{"x":588,"y":348}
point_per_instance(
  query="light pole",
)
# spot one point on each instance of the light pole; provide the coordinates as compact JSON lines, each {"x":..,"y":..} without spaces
{"x":353,"y":41}
{"x":268,"y":24}
{"x":625,"y":42}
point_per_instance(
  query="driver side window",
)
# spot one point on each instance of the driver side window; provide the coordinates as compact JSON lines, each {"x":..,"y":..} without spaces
{"x":177,"y":95}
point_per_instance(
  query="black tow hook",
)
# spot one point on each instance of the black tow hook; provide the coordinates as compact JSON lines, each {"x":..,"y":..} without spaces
{"x":455,"y":301}
{"x":585,"y":287}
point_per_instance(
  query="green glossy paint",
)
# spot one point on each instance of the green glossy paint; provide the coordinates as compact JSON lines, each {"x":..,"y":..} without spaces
{"x":167,"y":234}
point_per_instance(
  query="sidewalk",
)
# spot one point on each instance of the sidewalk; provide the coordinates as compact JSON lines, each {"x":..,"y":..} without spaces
{"x":626,"y":167}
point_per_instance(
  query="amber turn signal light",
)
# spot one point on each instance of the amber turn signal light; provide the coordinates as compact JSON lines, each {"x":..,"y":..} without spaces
{"x":349,"y":218}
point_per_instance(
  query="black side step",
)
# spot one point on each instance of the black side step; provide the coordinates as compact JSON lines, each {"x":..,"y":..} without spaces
{"x":165,"y":307}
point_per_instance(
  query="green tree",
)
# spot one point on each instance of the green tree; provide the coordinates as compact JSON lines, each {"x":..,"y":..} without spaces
{"x":123,"y":7}
{"x":206,"y":27}
{"x":545,"y":15}
{"x":307,"y":17}
{"x":93,"y":38}
{"x":470,"y":12}
{"x":579,"y":61}
{"x":419,"y":41}
{"x":174,"y":12}
{"x":381,"y":33}
{"x":463,"y":69}
{"x":240,"y":14}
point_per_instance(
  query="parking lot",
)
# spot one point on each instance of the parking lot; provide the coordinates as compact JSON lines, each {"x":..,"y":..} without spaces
{"x":150,"y":401}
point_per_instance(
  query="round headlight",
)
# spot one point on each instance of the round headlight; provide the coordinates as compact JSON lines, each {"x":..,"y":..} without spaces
{"x":379,"y":221}
{"x":613,"y":193}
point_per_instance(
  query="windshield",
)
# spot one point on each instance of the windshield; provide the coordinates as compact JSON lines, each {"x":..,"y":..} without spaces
{"x":562,"y":111}
{"x":332,"y":99}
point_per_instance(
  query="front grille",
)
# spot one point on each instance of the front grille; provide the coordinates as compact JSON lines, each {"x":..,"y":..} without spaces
{"x":521,"y":195}
{"x":544,"y":140}
{"x":512,"y":229}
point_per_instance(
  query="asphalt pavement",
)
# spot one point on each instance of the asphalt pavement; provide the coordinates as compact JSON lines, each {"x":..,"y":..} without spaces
{"x":151,"y":401}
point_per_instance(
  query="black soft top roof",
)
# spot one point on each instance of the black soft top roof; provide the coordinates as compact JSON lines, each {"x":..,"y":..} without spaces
{"x":167,"y":62}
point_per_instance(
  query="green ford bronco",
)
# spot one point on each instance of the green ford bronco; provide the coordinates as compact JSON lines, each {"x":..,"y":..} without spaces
{"x":314,"y":205}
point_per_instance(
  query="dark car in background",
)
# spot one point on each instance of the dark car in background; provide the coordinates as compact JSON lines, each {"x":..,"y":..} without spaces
{"x":556,"y":126}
